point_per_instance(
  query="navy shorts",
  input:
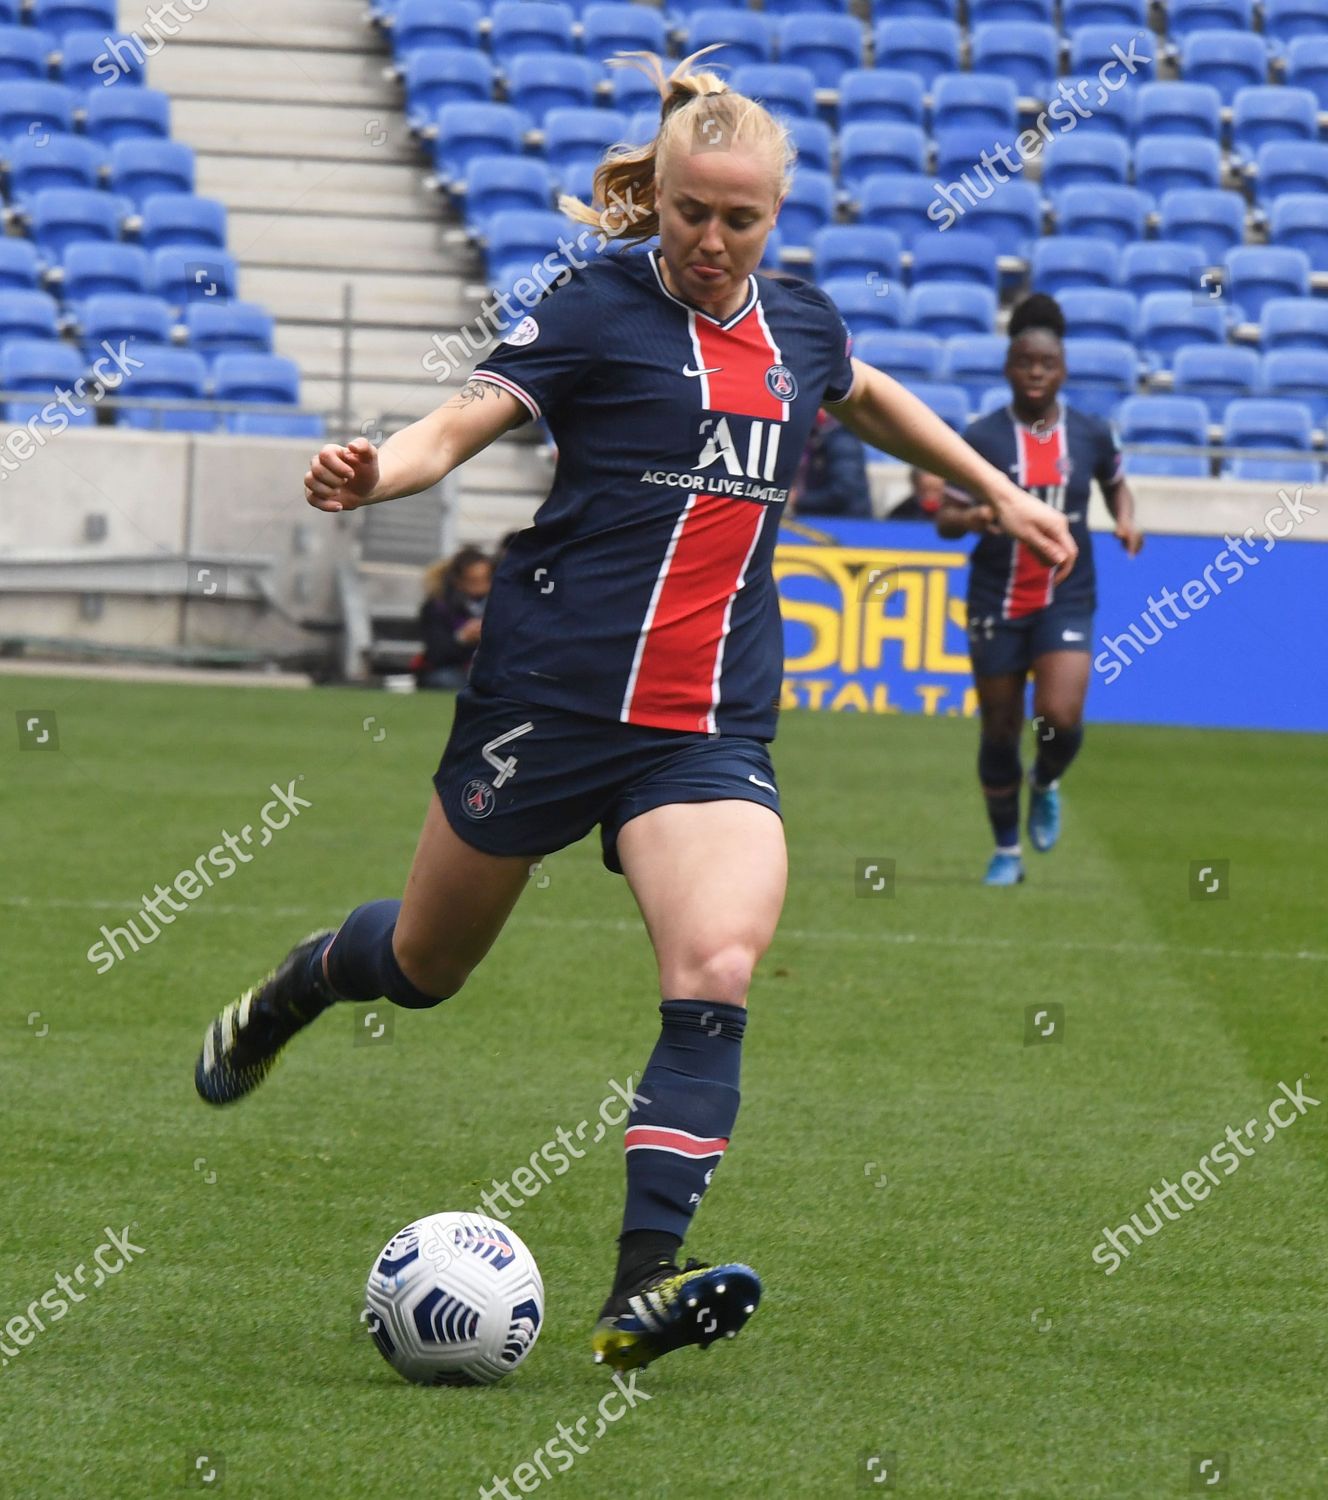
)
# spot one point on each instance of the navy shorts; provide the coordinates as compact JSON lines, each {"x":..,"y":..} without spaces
{"x":999,"y":646}
{"x":519,"y":779}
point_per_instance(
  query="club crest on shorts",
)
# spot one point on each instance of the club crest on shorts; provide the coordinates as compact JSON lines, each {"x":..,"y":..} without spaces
{"x":780,"y":383}
{"x":477,"y":799}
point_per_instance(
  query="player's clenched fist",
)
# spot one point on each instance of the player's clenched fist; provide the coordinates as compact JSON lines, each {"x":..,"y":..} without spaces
{"x":342,"y":478}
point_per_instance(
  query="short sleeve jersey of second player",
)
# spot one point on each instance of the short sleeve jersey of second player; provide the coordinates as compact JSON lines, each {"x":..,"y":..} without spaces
{"x":1056,"y":464}
{"x":643,"y":591}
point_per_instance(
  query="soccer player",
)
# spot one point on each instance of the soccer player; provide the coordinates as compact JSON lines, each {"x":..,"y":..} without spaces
{"x":1024,"y":616}
{"x":632,"y":654}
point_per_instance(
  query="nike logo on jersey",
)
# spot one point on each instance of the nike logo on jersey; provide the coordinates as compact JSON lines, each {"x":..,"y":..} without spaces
{"x":704,"y":370}
{"x":1072,"y":635}
{"x":758,"y":782}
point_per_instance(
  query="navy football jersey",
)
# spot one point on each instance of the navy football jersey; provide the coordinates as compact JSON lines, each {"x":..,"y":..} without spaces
{"x":1056,"y":464}
{"x":643,"y":590}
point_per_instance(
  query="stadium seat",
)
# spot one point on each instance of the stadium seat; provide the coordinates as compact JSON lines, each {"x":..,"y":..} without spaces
{"x":43,"y":366}
{"x":519,"y":26}
{"x":1228,"y":60}
{"x":182,"y":219}
{"x":94,"y":60}
{"x":815,"y":142}
{"x":538,"y":82}
{"x":610,"y":28}
{"x":980,"y":12}
{"x":217,"y":328}
{"x":1177,"y":421}
{"x":259,"y":379}
{"x":1025,"y":52}
{"x":855,"y":250}
{"x":948,"y":401}
{"x":1092,"y":48}
{"x":59,"y":216}
{"x":1079,"y":160}
{"x":1110,"y":115}
{"x":631,"y":91}
{"x":959,"y":156}
{"x":1260,"y":116}
{"x":310,"y":425}
{"x":1257,"y":273}
{"x":918,"y":46}
{"x":181,"y":275}
{"x":1186,"y":16}
{"x":1165,"y":162}
{"x":774,"y":251}
{"x":1307,"y":66}
{"x":53,"y":161}
{"x":827,"y":46}
{"x":1170,"y":320}
{"x":784,"y":90}
{"x":865,"y":149}
{"x":975,"y":100}
{"x":166,"y":375}
{"x":1012,"y":216}
{"x":28,"y":315}
{"x":1077,"y":14}
{"x":1193,"y":109}
{"x":883,"y":96}
{"x":948,"y":309}
{"x":24,"y":53}
{"x":992,"y":399}
{"x":418,"y":24}
{"x":1290,"y":167}
{"x":33,"y":109}
{"x":745,"y":36}
{"x":60,"y":16}
{"x":435,"y":76}
{"x":1264,"y":423}
{"x":806,"y":7}
{"x":976,"y":363}
{"x":94,"y":269}
{"x":578,"y":181}
{"x":1294,"y":323}
{"x":111,"y":317}
{"x":1299,"y":221}
{"x":1100,"y":312}
{"x":517,"y":236}
{"x":926,"y":10}
{"x":960,"y":255}
{"x":1115,"y":213}
{"x":496,"y":183}
{"x":898,"y":201}
{"x":125,"y":114}
{"x":1065,"y":261}
{"x":810,"y":206}
{"x":1211,"y":218}
{"x":466,"y":131}
{"x":903,"y":356}
{"x":141,"y":168}
{"x":862,"y":310}
{"x":20,"y":265}
{"x":1101,"y":373}
{"x":1299,"y":375}
{"x":643,"y":126}
{"x":1215,"y":376}
{"x":1161,"y":266}
{"x":1284,"y":21}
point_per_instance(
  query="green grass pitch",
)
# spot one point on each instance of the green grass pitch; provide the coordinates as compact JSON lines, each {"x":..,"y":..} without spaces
{"x":920,"y":1188}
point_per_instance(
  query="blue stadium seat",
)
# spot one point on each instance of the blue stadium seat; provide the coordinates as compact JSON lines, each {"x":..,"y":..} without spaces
{"x":435,"y":76}
{"x":1228,"y":60}
{"x":610,"y":28}
{"x":260,"y":379}
{"x":126,"y":114}
{"x":815,"y":142}
{"x":53,"y":161}
{"x":1065,"y":261}
{"x":185,"y":274}
{"x":918,"y":46}
{"x":1290,"y":167}
{"x":1212,"y":218}
{"x":949,"y":402}
{"x":904,"y":356}
{"x":138,"y":319}
{"x":530,"y":26}
{"x":1294,"y":323}
{"x":43,"y":366}
{"x":828,"y":46}
{"x":60,"y":16}
{"x":854,"y":250}
{"x":959,"y":152}
{"x":310,"y":425}
{"x":773,"y":252}
{"x":1115,"y":213}
{"x":1165,"y":162}
{"x":1093,"y":47}
{"x":1263,"y":423}
{"x":1101,"y":373}
{"x":1215,"y":375}
{"x":434,"y":23}
{"x":24,"y":53}
{"x":1307,"y":66}
{"x":466,"y":131}
{"x":959,"y":255}
{"x":94,"y":60}
{"x":519,"y":236}
{"x":1025,"y":52}
{"x":898,"y":201}
{"x":865,"y":149}
{"x":28,"y":315}
{"x":1161,"y":266}
{"x":1300,"y":222}
{"x":498,"y":183}
{"x":141,"y":168}
{"x":1257,"y":273}
{"x":1079,"y":160}
{"x":1284,"y":21}
{"x":20,"y":265}
{"x":980,"y":12}
{"x":166,"y":375}
{"x":540,"y":81}
{"x":1177,"y":421}
{"x":747,"y":37}
{"x":578,"y":181}
{"x":93,"y":269}
{"x":861,"y":309}
{"x":217,"y":328}
{"x":1273,"y":113}
{"x":182,"y":219}
{"x":885,"y":96}
{"x":1170,"y":320}
{"x":782,"y":89}
{"x":685,"y":8}
{"x":926,"y":10}
{"x":580,"y":135}
{"x":60,"y":216}
{"x":810,"y":206}
{"x":642,"y":127}
{"x":1299,"y":375}
{"x":631,"y":90}
{"x":804,"y":7}
{"x":1179,"y":109}
{"x":1077,"y":14}
{"x":947,"y":309}
{"x":985,"y":101}
{"x":976,"y":362}
{"x":1012,"y":216}
{"x":36,"y":108}
{"x":1100,"y":312}
{"x":992,"y":399}
{"x":1186,"y":16}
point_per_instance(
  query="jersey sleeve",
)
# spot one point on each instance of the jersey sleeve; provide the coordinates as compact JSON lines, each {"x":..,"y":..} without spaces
{"x":841,"y":376}
{"x":1108,"y":470}
{"x":544,"y":356}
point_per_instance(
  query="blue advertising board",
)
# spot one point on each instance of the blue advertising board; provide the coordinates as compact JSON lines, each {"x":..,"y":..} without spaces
{"x":1185,"y":633}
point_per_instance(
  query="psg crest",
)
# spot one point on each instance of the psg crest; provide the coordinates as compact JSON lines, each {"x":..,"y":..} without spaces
{"x":780,"y":383}
{"x":477,"y":799}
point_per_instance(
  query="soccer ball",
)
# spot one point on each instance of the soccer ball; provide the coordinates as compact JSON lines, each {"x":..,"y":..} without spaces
{"x":454,"y":1299}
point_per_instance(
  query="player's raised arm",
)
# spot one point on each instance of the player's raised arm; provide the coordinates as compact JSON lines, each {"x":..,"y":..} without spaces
{"x":345,"y":477}
{"x":883,"y":413}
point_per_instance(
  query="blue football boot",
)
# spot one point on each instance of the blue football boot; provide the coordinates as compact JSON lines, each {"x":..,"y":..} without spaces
{"x":1006,"y":868}
{"x":670,"y":1308}
{"x":1044,"y":815}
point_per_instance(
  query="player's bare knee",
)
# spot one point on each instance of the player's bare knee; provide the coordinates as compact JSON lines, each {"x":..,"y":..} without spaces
{"x":429,"y":978}
{"x":722,"y":973}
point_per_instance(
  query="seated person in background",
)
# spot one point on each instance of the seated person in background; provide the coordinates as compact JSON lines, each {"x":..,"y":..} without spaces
{"x":455,"y":594}
{"x":925,"y":500}
{"x":832,"y":477}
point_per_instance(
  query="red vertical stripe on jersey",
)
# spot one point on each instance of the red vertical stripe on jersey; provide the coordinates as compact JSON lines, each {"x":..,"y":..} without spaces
{"x":1030,"y":580}
{"x":740,"y":357}
{"x":674,"y":684}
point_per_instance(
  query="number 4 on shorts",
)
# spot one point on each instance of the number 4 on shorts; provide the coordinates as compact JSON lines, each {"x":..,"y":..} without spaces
{"x":505,"y":765}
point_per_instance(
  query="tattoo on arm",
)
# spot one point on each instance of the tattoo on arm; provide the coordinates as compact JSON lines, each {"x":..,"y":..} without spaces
{"x":473,"y":390}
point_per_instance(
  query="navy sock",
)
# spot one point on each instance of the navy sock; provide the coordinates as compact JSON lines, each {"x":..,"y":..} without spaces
{"x":361,"y":964}
{"x":1055,"y":754}
{"x":687,"y":1103}
{"x":999,"y":772}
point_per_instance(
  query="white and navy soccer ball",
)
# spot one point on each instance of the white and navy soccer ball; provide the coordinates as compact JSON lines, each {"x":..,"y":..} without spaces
{"x":455,"y":1299}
